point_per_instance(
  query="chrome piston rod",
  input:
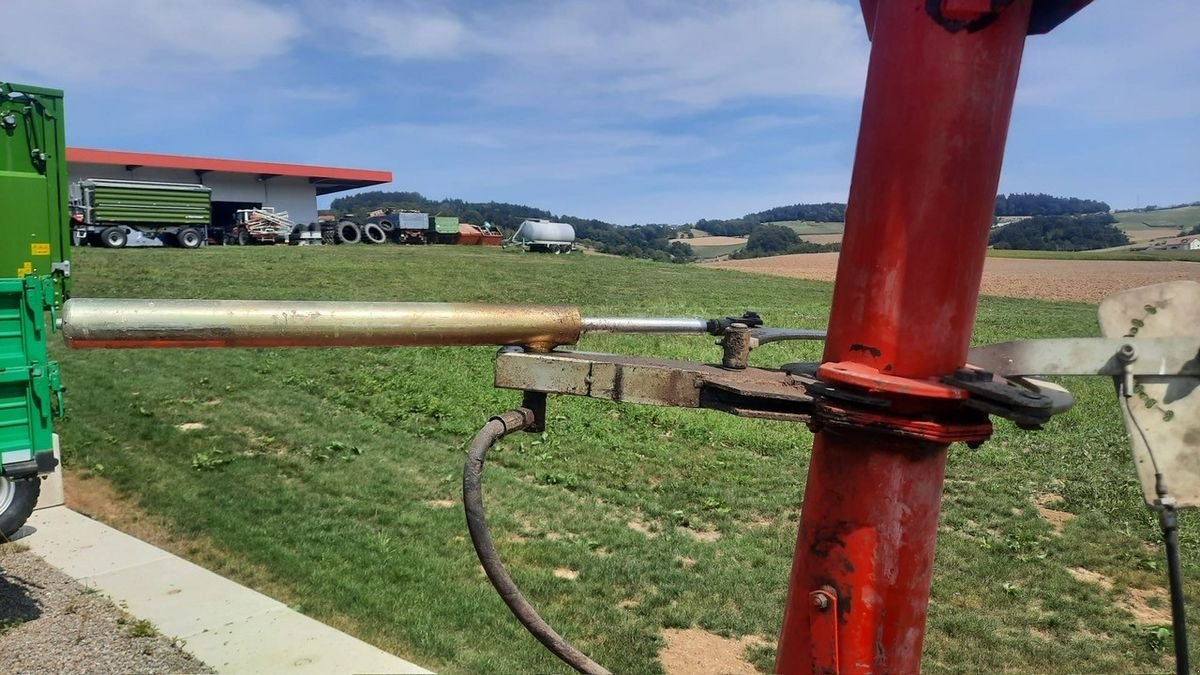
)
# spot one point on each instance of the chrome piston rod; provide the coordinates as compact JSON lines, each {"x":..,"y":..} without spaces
{"x":125,"y":323}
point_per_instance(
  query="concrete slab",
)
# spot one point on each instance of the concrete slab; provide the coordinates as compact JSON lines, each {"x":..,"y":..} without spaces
{"x":52,"y":493}
{"x":228,"y":626}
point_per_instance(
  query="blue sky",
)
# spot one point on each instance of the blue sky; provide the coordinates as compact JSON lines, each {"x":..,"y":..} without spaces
{"x":631,"y":111}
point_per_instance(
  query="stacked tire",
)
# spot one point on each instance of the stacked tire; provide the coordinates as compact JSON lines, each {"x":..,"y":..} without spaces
{"x":348,"y":232}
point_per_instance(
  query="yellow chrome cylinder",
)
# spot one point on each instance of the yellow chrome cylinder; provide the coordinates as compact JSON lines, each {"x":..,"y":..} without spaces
{"x":116,"y":323}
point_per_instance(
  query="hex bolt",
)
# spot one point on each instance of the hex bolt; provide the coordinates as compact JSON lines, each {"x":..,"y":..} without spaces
{"x":820,"y":600}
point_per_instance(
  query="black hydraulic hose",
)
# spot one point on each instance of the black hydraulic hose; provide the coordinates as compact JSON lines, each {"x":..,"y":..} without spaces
{"x":498,"y":427}
{"x":1170,"y":528}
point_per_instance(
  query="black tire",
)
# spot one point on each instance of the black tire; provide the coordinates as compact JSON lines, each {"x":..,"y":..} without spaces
{"x":386,"y":225}
{"x":113,"y":237}
{"x":244,"y":238}
{"x":189,"y":237}
{"x":372,"y":233}
{"x":329,"y":235}
{"x":17,"y":499}
{"x":348,"y":232}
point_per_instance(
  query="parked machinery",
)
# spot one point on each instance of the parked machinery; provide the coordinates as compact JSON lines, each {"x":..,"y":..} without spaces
{"x":547,"y":236}
{"x":120,"y":213}
{"x":263,"y":226}
{"x":35,"y":276}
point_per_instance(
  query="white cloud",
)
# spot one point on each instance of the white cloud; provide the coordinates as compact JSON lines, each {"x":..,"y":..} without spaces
{"x":399,"y":31}
{"x":64,"y":42}
{"x":630,"y":54}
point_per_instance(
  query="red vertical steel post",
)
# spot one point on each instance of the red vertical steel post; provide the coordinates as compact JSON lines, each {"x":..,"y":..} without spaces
{"x":935,"y":118}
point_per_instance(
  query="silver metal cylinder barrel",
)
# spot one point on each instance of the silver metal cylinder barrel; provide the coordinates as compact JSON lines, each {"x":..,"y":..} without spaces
{"x":621,"y":324}
{"x":116,"y":323}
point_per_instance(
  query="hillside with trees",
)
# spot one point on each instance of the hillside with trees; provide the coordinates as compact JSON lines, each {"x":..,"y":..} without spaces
{"x":1060,"y":233}
{"x":1039,"y":204}
{"x":651,"y":242}
{"x":769,"y":240}
{"x":1022,"y":204}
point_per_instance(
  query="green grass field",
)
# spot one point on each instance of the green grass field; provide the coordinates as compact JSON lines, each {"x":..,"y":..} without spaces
{"x":325,"y":475}
{"x":1107,"y":254}
{"x":1186,"y":216}
{"x":710,"y":252}
{"x":803,"y":227}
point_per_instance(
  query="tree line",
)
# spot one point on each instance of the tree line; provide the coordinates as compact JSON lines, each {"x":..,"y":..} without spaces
{"x":1060,"y":233}
{"x":1015,"y":204}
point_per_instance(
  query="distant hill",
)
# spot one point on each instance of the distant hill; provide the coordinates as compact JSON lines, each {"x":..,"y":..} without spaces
{"x":1059,"y":233}
{"x":1185,"y":216}
{"x":1015,"y":204}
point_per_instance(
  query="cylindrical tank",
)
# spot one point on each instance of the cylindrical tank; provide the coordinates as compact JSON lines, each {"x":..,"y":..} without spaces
{"x":544,"y":232}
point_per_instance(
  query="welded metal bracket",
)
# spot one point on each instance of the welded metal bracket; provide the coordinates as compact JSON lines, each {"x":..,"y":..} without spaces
{"x":748,"y":392}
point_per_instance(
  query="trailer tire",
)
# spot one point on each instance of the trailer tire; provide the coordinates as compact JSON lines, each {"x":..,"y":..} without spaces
{"x":372,"y":233}
{"x":348,"y":232}
{"x":113,"y":237}
{"x":17,"y":499}
{"x":189,"y":237}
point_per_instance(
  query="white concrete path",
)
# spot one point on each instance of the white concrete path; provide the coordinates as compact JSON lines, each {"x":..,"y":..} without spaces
{"x":222,"y":623}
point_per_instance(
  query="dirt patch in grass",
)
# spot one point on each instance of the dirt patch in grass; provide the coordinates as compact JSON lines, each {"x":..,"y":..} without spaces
{"x":1057,"y":519}
{"x":703,"y":536}
{"x":191,"y":426}
{"x":643,"y":528}
{"x":694,"y":651}
{"x":1089,"y":577}
{"x":441,"y":503}
{"x":566,"y":573}
{"x":1074,"y":280}
{"x":1149,"y":606}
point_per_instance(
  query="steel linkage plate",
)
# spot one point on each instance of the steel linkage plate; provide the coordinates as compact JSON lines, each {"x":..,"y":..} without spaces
{"x":749,"y":392}
{"x":1162,"y":412}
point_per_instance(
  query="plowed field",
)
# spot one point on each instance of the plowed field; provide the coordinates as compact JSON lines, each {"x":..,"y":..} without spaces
{"x":1077,"y":280}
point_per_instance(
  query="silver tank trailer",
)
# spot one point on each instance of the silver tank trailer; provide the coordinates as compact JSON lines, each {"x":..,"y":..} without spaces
{"x":545,"y":235}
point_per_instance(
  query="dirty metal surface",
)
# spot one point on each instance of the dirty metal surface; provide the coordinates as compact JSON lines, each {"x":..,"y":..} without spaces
{"x":1162,"y":412}
{"x":749,"y":392}
{"x":1158,"y":354}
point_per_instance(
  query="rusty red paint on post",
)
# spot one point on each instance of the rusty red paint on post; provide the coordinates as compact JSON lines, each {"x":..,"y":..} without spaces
{"x":935,"y":119}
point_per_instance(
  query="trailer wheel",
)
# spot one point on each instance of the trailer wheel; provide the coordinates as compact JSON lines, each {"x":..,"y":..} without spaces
{"x":348,"y":232}
{"x":113,"y":237}
{"x":373,"y":234}
{"x":189,"y":237}
{"x":17,"y":499}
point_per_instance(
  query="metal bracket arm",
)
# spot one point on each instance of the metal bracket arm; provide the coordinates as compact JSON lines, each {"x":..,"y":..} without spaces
{"x":749,"y":392}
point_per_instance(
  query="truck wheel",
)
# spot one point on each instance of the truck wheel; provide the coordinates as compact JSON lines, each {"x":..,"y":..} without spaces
{"x":113,"y":237}
{"x":373,"y":234}
{"x":348,"y":232}
{"x":189,"y":237}
{"x":244,"y":238}
{"x":17,"y":499}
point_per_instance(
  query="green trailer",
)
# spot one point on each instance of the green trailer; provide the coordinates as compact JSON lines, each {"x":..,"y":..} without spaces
{"x":35,"y":277}
{"x":120,"y":213}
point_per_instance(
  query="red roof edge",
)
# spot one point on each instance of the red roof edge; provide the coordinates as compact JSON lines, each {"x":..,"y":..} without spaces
{"x":96,"y":156}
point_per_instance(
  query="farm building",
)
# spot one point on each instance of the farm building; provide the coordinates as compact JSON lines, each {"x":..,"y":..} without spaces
{"x":1176,"y":244}
{"x":236,"y":184}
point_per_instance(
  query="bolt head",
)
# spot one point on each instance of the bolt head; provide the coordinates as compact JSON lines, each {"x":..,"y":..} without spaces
{"x":820,"y":601}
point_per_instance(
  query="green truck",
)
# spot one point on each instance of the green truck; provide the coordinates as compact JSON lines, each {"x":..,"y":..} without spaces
{"x":121,"y":213}
{"x":35,"y":279}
